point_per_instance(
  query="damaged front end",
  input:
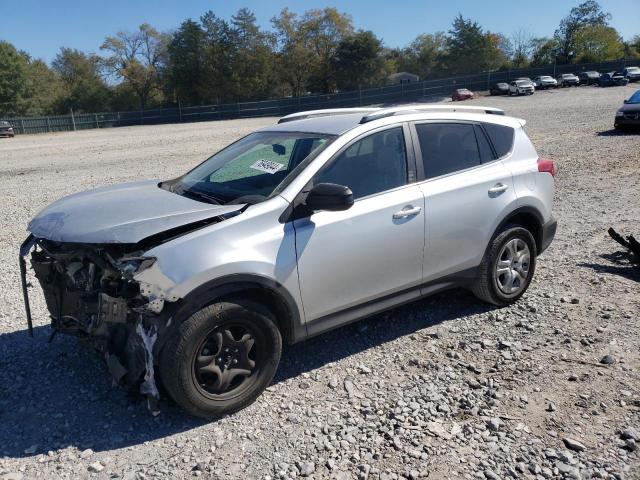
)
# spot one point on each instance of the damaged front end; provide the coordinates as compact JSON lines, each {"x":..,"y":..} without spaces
{"x":91,"y":292}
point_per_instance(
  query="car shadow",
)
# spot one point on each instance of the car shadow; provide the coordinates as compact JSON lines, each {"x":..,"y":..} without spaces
{"x":60,"y":394}
{"x":619,"y":133}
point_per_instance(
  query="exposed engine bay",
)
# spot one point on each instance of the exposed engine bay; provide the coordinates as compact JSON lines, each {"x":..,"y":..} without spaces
{"x":91,"y":293}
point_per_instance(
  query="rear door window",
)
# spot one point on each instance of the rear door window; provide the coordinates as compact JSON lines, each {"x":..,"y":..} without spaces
{"x":447,"y":147}
{"x":501,"y":138}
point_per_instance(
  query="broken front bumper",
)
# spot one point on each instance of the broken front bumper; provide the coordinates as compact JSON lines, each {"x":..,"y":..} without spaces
{"x":91,"y":293}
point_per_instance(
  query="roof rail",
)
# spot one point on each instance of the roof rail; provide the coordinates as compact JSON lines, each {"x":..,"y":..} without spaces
{"x":405,"y":109}
{"x":325,"y":112}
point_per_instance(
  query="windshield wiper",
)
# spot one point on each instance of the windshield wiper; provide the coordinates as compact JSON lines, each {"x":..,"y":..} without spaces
{"x":197,"y":195}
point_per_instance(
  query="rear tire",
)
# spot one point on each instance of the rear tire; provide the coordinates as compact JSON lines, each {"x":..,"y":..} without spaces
{"x":221,"y":358}
{"x":507,"y":267}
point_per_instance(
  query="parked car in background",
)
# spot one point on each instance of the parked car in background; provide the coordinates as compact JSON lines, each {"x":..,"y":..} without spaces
{"x":500,"y":88}
{"x":612,"y":79}
{"x":521,"y":87}
{"x":545,"y":81}
{"x":461,"y":94}
{"x":6,"y":130}
{"x":632,"y":73}
{"x":628,"y":115}
{"x":568,"y":80}
{"x":588,"y":78}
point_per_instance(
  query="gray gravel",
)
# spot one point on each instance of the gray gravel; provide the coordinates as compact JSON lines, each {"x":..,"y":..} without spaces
{"x":444,"y":388}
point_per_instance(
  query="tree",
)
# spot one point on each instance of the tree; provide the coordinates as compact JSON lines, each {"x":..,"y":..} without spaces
{"x":358,"y":61}
{"x":325,"y":29}
{"x":137,"y":59}
{"x":588,"y":13}
{"x":43,"y":88}
{"x":543,"y":51}
{"x":597,"y":43}
{"x":470,"y":49}
{"x":186,"y":63}
{"x":632,"y":47}
{"x":294,"y":56}
{"x":253,"y":58}
{"x":219,"y":55}
{"x":83,"y":89}
{"x":522,"y":47}
{"x":423,"y":56}
{"x":13,"y":80}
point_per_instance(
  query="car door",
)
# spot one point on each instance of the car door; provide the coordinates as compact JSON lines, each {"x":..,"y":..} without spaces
{"x":466,"y":190}
{"x":350,"y":259}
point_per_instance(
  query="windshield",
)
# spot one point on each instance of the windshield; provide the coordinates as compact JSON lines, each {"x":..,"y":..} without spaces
{"x":546,"y":78}
{"x":249,"y":170}
{"x":633,"y":69}
{"x":635,"y":98}
{"x":522,"y":83}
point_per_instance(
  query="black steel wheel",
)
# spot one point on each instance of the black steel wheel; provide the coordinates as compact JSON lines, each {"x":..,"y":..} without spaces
{"x":221,"y":358}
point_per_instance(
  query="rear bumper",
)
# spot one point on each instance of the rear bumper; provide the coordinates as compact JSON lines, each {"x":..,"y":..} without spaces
{"x":547,"y":234}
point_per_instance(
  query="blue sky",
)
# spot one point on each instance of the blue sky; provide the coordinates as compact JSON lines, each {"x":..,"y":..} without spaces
{"x":42,"y":27}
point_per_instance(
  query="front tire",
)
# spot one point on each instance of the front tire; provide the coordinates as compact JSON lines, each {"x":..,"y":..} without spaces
{"x":221,"y":358}
{"x":507,"y":267}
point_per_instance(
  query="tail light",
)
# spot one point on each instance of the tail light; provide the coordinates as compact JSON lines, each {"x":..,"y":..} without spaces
{"x":548,"y":166}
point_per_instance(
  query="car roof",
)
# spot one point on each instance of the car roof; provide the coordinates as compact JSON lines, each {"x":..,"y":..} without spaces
{"x":334,"y":123}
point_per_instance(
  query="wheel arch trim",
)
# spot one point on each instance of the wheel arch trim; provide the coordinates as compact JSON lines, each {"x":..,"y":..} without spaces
{"x":292,"y":327}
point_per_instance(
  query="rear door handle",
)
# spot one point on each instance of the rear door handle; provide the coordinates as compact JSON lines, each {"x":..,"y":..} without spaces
{"x":407,"y":212}
{"x":498,"y":188}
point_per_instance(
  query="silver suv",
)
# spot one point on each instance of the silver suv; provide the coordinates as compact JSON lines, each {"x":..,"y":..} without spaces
{"x":304,"y":226}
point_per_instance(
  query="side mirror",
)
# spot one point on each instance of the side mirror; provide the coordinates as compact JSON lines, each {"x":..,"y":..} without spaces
{"x":329,"y":197}
{"x":626,"y":101}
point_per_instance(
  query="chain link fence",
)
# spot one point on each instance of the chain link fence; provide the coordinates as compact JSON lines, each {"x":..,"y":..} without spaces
{"x":412,"y":92}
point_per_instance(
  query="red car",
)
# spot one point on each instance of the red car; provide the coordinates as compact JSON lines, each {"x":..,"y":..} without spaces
{"x":461,"y":94}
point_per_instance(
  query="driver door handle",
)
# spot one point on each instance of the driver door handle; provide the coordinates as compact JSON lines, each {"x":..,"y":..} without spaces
{"x":407,"y":212}
{"x":498,"y":188}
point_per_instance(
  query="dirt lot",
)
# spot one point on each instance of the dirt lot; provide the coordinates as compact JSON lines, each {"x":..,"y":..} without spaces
{"x":445,"y":388}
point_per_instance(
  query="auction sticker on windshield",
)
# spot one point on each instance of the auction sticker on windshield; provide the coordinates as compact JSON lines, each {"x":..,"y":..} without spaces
{"x":267,"y":166}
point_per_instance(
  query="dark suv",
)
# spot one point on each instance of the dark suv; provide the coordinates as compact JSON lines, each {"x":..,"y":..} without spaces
{"x":588,"y":78}
{"x":612,"y":79}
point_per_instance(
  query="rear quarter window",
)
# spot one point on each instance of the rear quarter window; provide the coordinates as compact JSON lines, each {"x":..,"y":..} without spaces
{"x":501,"y":138}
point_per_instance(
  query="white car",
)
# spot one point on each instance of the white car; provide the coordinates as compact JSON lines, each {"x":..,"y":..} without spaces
{"x":296,"y":229}
{"x":545,"y":81}
{"x":521,"y":87}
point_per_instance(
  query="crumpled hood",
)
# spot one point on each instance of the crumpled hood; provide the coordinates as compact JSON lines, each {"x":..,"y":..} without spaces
{"x":124,"y":213}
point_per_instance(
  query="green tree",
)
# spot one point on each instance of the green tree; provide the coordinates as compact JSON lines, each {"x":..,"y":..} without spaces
{"x":598,"y":43}
{"x":83,"y":89}
{"x":137,"y":59}
{"x":293,"y":56}
{"x":219,"y":56}
{"x":325,"y":29}
{"x":424,"y":55}
{"x":632,"y":47}
{"x":43,"y":88}
{"x":470,"y":49}
{"x":13,"y":80}
{"x":586,"y":14}
{"x":253,"y":59}
{"x":358,"y":61}
{"x":544,"y":51}
{"x":186,"y":63}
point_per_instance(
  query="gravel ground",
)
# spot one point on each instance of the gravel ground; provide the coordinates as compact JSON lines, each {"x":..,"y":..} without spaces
{"x":445,"y":387}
